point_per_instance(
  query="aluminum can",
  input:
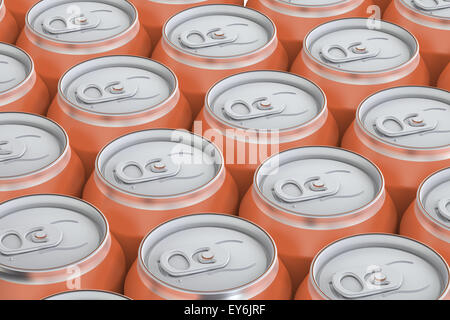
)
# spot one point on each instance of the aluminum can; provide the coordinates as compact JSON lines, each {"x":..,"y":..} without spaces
{"x":405,"y":131}
{"x":241,"y":39}
{"x":376,"y":267}
{"x":294,"y":19}
{"x":428,"y":217}
{"x":353,"y":58}
{"x":8,"y":26}
{"x":383,"y":4}
{"x":53,"y":243}
{"x":87,"y":295}
{"x":444,"y":79}
{"x":205,"y":257}
{"x":62,"y":33}
{"x":154,"y":13}
{"x":429,"y":22}
{"x":104,"y":98}
{"x":255,"y":114}
{"x":310,"y":196}
{"x":19,"y":8}
{"x":147,"y":177}
{"x":21,"y":88}
{"x":36,"y":157}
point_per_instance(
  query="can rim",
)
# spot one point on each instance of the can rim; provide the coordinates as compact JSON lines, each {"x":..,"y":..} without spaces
{"x":62,"y":293}
{"x":419,"y":13}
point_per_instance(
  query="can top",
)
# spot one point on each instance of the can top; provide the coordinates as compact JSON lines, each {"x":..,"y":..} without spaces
{"x":159,"y":163}
{"x":265,"y":100}
{"x":47,"y":232}
{"x":219,"y":31}
{"x":81,"y":21}
{"x":434,"y":197}
{"x":315,"y":3}
{"x":15,"y":67}
{"x":380,"y":267}
{"x":352,"y":45}
{"x":87,"y":295}
{"x":208,"y":254}
{"x":29,"y":143}
{"x":408,"y":117}
{"x":117,"y":85}
{"x":433,"y":8}
{"x":319,"y":181}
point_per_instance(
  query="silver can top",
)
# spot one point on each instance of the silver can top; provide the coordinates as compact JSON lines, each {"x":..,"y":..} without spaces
{"x":87,"y":295}
{"x":379,"y":267}
{"x":315,"y":3}
{"x":433,"y":8}
{"x":270,"y":100}
{"x":15,"y":67}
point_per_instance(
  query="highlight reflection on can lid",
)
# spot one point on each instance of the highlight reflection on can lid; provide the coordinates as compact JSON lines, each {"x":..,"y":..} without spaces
{"x":117,"y":85}
{"x":15,"y":67}
{"x":207,"y":253}
{"x":350,"y":45}
{"x":318,"y":181}
{"x":265,"y":100}
{"x":159,"y":163}
{"x":433,"y":8}
{"x":380,"y":267}
{"x":87,"y":295}
{"x":28,"y":143}
{"x":47,"y":232}
{"x":408,"y":117}
{"x":219,"y":31}
{"x":81,"y":21}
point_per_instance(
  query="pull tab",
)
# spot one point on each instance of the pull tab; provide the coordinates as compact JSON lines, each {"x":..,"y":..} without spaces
{"x":214,"y":37}
{"x":111,"y":91}
{"x":152,"y":170}
{"x":30,"y":239}
{"x":438,"y":4}
{"x":311,"y":188}
{"x":352,"y":52}
{"x":11,"y":149}
{"x":409,"y":124}
{"x":259,"y":108}
{"x":72,"y":23}
{"x":373,"y":280}
{"x":199,"y":260}
{"x":442,"y":208}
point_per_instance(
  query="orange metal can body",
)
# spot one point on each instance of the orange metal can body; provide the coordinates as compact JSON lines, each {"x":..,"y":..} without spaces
{"x":89,"y":257}
{"x":19,"y":8}
{"x":429,"y":25}
{"x":175,"y":173}
{"x":115,"y":30}
{"x":243,"y":40}
{"x":348,"y":78}
{"x":444,"y":79}
{"x":8,"y":26}
{"x":257,"y":278}
{"x":301,"y":197}
{"x":136,"y":94}
{"x":383,"y":4}
{"x":37,"y":158}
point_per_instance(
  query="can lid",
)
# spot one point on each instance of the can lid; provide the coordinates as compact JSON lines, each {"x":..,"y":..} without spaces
{"x":117,"y":85}
{"x":219,"y":31}
{"x":28,"y":143}
{"x":265,"y":100}
{"x":315,"y":3}
{"x":207,"y":254}
{"x":319,"y":181}
{"x":353,"y":45}
{"x":408,"y":117}
{"x":15,"y":67}
{"x":87,"y":295}
{"x":434,"y":197}
{"x":433,"y":8}
{"x":48,"y":232}
{"x":159,"y":163}
{"x":380,"y":267}
{"x":81,"y":21}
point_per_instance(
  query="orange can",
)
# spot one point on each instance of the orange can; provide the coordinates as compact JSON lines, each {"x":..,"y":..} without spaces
{"x":62,"y":33}
{"x":353,"y":58}
{"x":36,"y":157}
{"x":147,"y":177}
{"x":21,"y":88}
{"x":383,"y":4}
{"x":405,"y":131}
{"x":310,"y":196}
{"x":444,"y":79}
{"x":294,"y":19}
{"x":428,"y":217}
{"x":376,"y":267}
{"x":205,"y":44}
{"x":208,"y":256}
{"x":87,"y":295}
{"x":154,"y":13}
{"x":54,"y":243}
{"x":428,"y":21}
{"x":104,"y":98}
{"x":19,"y":8}
{"x":255,"y":114}
{"x":8,"y":26}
